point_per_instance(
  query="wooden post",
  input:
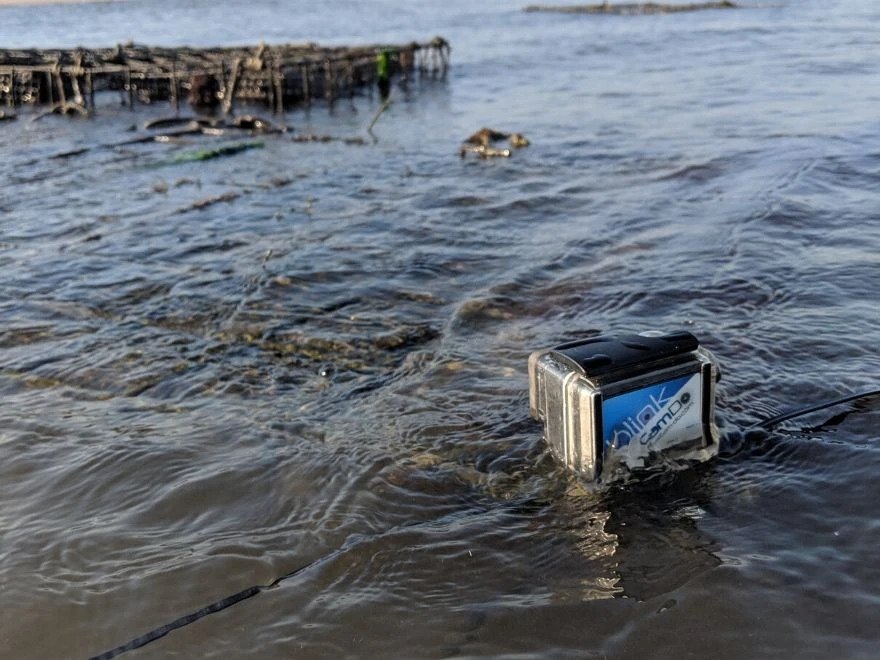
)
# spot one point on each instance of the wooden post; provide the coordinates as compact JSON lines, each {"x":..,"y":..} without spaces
{"x":49,"y":85}
{"x":307,"y":92}
{"x":77,"y":92}
{"x":265,"y":57}
{"x":279,"y":87}
{"x":329,"y":83}
{"x":223,"y":80}
{"x":230,"y":89}
{"x":175,"y":90}
{"x":130,"y":88}
{"x":75,"y":74}
{"x":59,"y":82}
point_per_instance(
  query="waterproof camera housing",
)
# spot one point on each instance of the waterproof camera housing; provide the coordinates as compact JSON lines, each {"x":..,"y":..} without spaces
{"x":622,"y":402}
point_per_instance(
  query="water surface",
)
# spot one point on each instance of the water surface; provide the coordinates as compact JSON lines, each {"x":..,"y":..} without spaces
{"x":330,"y":367}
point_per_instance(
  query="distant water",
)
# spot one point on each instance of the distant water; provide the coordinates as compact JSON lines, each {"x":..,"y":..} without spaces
{"x":330,"y":367}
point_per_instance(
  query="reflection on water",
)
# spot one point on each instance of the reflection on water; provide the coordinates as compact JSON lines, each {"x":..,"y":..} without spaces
{"x":660,"y":545}
{"x":326,"y":368}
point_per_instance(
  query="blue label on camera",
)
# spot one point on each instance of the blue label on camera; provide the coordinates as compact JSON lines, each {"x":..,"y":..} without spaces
{"x":657,"y":416}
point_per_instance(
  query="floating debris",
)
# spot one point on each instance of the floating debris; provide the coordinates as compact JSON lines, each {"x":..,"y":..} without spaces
{"x":276,"y":76}
{"x":632,"y":8}
{"x":66,"y":108}
{"x":483,"y":151}
{"x":227,"y":197}
{"x":485,"y":136}
{"x":255,"y":124}
{"x":219,"y":152}
{"x":311,"y":137}
{"x":71,"y":153}
{"x":191,"y":126}
{"x":518,"y":140}
{"x":480,"y":143}
{"x":168,"y":136}
{"x":167,"y":122}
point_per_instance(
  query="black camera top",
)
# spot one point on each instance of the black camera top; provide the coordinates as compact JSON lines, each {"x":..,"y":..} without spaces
{"x":600,"y":355}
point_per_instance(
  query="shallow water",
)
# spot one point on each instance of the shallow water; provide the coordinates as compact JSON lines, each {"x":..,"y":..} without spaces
{"x":329,"y":370}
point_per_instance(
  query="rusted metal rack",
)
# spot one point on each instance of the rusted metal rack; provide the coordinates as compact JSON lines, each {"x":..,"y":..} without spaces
{"x":277,"y":76}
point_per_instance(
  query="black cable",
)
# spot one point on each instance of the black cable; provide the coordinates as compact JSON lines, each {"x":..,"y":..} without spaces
{"x":252,"y":591}
{"x":352,"y":543}
{"x":161,"y":631}
{"x":216,"y":606}
{"x":772,"y":422}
